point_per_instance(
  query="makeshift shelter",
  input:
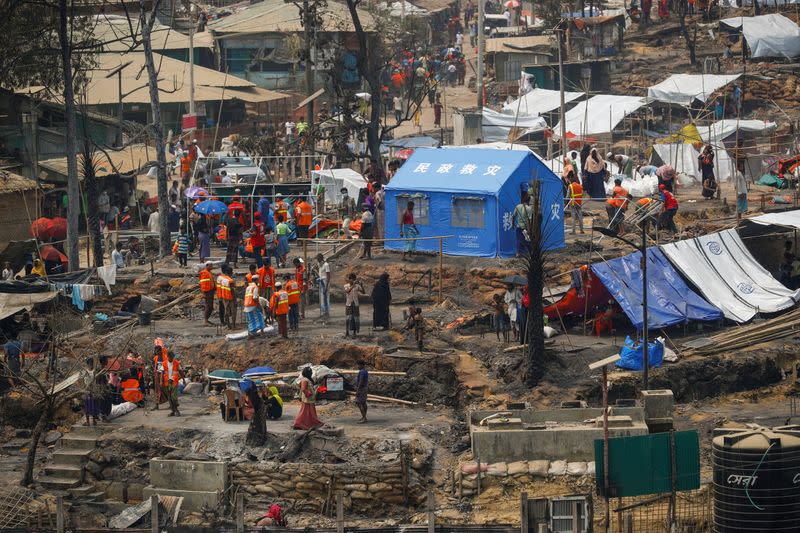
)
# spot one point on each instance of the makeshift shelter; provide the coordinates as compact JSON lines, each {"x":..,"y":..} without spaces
{"x":669,"y":300}
{"x":470,"y":194}
{"x":539,"y":101}
{"x":335,"y":179}
{"x":772,"y":35}
{"x":683,"y":158}
{"x":786,"y":219}
{"x":728,"y":275}
{"x":599,"y":114}
{"x":684,"y":89}
{"x":500,"y":126}
{"x":721,"y":130}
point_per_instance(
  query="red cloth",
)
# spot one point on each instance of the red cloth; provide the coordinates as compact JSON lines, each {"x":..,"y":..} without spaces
{"x":669,"y":200}
{"x":307,"y":417}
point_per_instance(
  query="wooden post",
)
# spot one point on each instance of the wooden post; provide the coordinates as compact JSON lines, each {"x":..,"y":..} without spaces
{"x":629,"y":523}
{"x":339,"y":513}
{"x":60,"y":514}
{"x":441,"y":260}
{"x":431,"y":514}
{"x":542,"y":528}
{"x":154,"y":527}
{"x":576,"y":518}
{"x":478,"y":462}
{"x":240,"y":513}
{"x":523,"y":512}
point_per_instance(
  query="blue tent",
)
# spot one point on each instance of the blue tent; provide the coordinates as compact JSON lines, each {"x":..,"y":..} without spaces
{"x":669,"y":300}
{"x":471,"y":193}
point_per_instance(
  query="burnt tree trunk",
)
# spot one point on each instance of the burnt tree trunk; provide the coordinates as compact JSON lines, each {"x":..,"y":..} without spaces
{"x":90,"y":187}
{"x":534,"y":327}
{"x":36,"y":435}
{"x":73,"y":189}
{"x":146,"y":21}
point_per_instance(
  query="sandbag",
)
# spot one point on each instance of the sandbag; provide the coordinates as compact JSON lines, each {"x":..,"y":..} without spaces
{"x":241,"y":335}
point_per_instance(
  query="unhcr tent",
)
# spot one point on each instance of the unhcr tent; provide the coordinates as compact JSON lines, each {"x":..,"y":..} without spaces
{"x":728,"y":275}
{"x":599,"y":114}
{"x":722,"y":129}
{"x":497,"y":126}
{"x":334,"y":179}
{"x":539,"y":101}
{"x":786,"y":219}
{"x":669,"y":300}
{"x":471,"y":194}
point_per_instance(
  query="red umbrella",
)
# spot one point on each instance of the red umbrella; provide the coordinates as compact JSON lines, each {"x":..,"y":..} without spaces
{"x":50,"y":253}
{"x":40,"y":228}
{"x":404,"y":154}
{"x":58,"y":228}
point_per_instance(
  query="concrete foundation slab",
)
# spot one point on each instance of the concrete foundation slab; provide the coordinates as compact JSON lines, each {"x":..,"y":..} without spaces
{"x":193,"y":500}
{"x":189,"y":475}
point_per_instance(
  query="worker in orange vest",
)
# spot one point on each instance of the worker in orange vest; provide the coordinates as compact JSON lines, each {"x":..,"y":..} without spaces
{"x":575,"y":202}
{"x":266,"y":279}
{"x":616,"y":207}
{"x":300,"y":278}
{"x":171,"y":376}
{"x":304,"y":214}
{"x":252,"y":305}
{"x":159,"y":356}
{"x":293,"y":290}
{"x":207,"y":287}
{"x":281,"y":208}
{"x":279,"y":305}
{"x":227,"y":302}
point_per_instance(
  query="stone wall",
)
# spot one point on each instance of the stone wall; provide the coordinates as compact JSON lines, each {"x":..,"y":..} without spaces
{"x":315,"y":483}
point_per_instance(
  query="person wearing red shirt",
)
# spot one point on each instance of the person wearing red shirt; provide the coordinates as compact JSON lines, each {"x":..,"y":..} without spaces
{"x":299,"y":277}
{"x":666,"y":220}
{"x":257,"y":240}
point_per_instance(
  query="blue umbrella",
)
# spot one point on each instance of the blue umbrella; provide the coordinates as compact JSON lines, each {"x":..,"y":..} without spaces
{"x":259,"y":371}
{"x":211,"y":207}
{"x":230,"y":375}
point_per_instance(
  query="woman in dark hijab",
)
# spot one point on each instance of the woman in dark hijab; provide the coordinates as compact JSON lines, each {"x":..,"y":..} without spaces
{"x":381,"y":300}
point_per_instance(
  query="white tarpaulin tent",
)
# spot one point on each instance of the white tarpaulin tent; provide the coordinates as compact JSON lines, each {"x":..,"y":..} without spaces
{"x":723,"y":129}
{"x":786,"y":219}
{"x":599,"y":114}
{"x":497,"y":126}
{"x":728,"y":275}
{"x":683,"y":158}
{"x":539,"y":101}
{"x":770,"y":35}
{"x":334,"y":179}
{"x":683,"y":89}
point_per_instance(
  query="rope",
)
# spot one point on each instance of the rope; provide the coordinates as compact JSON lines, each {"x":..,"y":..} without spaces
{"x":747,"y":488}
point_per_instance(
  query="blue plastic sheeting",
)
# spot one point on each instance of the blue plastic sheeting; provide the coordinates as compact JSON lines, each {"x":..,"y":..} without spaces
{"x":631,"y":354}
{"x":471,"y":194}
{"x":413,"y":142}
{"x":669,"y":300}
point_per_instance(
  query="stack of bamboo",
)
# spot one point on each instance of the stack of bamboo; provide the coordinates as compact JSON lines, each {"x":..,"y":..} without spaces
{"x":750,"y":335}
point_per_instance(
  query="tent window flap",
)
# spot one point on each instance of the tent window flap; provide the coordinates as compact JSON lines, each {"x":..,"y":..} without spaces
{"x":421,"y":207}
{"x":468,"y":212}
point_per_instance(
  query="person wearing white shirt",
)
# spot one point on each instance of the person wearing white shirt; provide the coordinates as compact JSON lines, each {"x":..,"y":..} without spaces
{"x":289,"y":128}
{"x":116,"y":256}
{"x":8,"y":272}
{"x":225,"y":178}
{"x":152,"y":222}
{"x":507,"y":16}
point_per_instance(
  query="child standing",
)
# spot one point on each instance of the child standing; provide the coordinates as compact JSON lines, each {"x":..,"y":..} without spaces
{"x":416,"y":323}
{"x":500,"y":317}
{"x":183,"y":247}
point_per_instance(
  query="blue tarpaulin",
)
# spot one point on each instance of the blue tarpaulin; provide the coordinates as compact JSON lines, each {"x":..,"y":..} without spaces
{"x":669,"y":300}
{"x":471,"y":194}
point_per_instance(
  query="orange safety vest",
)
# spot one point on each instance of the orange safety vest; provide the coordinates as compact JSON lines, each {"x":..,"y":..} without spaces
{"x":131,"y":391}
{"x":293,"y":289}
{"x":266,"y":277}
{"x":279,"y":303}
{"x":250,"y":299}
{"x":304,"y":213}
{"x":206,"y":281}
{"x":165,"y":375}
{"x":619,"y":198}
{"x":186,"y":164}
{"x":644,"y":202}
{"x":222,"y":232}
{"x":575,"y":193}
{"x":281,"y":208}
{"x":299,"y":275}
{"x":224,"y":287}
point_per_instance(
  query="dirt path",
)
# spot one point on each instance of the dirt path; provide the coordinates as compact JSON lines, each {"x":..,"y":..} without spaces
{"x":474,"y":376}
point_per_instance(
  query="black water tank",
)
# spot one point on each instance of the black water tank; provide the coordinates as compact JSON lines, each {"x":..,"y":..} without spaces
{"x":757,"y":480}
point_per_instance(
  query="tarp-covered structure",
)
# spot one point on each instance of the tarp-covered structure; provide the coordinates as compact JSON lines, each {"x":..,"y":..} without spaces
{"x":722,"y":129}
{"x":684,"y":89}
{"x":335,"y":179}
{"x":669,"y":300}
{"x":539,"y":101}
{"x":683,"y":158}
{"x":599,"y":114}
{"x":786,"y":219}
{"x":498,"y":126}
{"x":772,"y":35}
{"x":728,"y":276}
{"x":470,"y":194}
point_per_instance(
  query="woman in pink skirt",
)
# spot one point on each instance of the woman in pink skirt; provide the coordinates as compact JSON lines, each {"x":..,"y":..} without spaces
{"x":307,"y":417}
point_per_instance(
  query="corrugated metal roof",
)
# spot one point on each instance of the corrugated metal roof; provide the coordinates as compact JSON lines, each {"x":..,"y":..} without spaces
{"x":114,"y":33}
{"x":521,"y":44}
{"x":433,"y":6}
{"x":277,"y":16}
{"x":129,"y":160}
